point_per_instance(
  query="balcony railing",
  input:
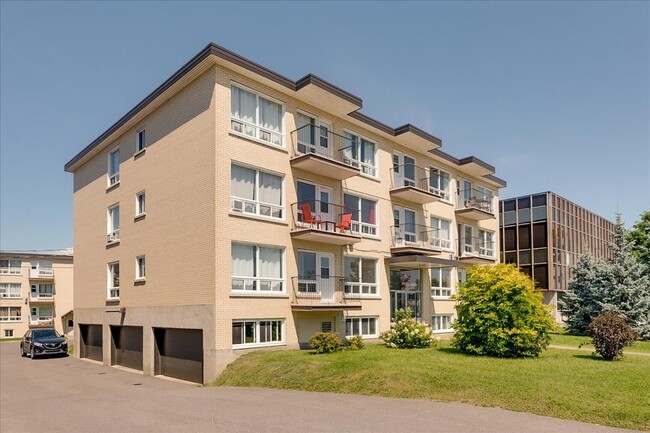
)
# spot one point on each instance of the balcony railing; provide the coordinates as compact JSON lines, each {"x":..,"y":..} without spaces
{"x":327,"y":218}
{"x":113,"y":236}
{"x":419,"y":236}
{"x":476,"y":247}
{"x":41,"y":320}
{"x":322,"y":290}
{"x":410,"y":175}
{"x":41,"y":273}
{"x":41,"y":296}
{"x":475,"y":199}
{"x":318,"y":140}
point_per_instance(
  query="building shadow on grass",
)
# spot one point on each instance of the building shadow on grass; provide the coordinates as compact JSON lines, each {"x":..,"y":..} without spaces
{"x":591,"y":357}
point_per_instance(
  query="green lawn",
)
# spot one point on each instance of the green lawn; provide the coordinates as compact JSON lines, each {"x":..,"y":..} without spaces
{"x":560,"y":383}
{"x":562,"y":339}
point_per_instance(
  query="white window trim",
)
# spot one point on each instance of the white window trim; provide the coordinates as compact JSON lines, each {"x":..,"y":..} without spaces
{"x":8,"y":292}
{"x":40,"y":318}
{"x":481,"y":250}
{"x":445,"y":330}
{"x":112,"y":235}
{"x":139,"y":277}
{"x":451,"y":234}
{"x":256,"y":137}
{"x":257,"y":333}
{"x":109,"y":283}
{"x":138,"y":213}
{"x":257,"y":203}
{"x":362,"y":164}
{"x":258,"y":292}
{"x":109,"y":177}
{"x":362,"y":224}
{"x":138,"y":151}
{"x":35,"y":291}
{"x":451,"y":284}
{"x":12,"y":270}
{"x":364,"y":336}
{"x":450,"y":192}
{"x":360,"y":284}
{"x":10,"y":318}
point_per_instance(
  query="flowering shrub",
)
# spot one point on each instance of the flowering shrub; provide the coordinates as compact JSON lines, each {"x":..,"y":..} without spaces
{"x":610,"y":334}
{"x":325,"y":342}
{"x":406,"y":333}
{"x":355,"y":342}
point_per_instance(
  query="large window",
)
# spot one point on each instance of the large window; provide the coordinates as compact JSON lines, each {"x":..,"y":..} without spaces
{"x":113,"y":231}
{"x":140,"y":204}
{"x":364,"y":326}
{"x":11,"y":290}
{"x":113,"y":167}
{"x":42,"y":291}
{"x":441,"y":235}
{"x":361,"y":276}
{"x":364,"y":213}
{"x":360,"y":152}
{"x":256,"y":192}
{"x":42,"y":315}
{"x":140,"y":273}
{"x":441,"y":282}
{"x":251,"y":333}
{"x":113,"y":280}
{"x":10,"y":267}
{"x":256,"y":116}
{"x":486,"y":243}
{"x":257,"y":269}
{"x":440,"y":183}
{"x":10,"y":314}
{"x":441,"y":322}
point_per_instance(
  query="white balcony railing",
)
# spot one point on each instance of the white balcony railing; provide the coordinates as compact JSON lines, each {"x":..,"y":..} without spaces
{"x":41,"y":320}
{"x":41,"y":273}
{"x":41,"y":296}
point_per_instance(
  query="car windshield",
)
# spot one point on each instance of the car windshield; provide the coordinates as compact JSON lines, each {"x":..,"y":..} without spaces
{"x":46,"y":333}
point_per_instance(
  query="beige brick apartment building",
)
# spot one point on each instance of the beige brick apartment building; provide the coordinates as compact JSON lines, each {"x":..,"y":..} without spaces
{"x":234,"y":208}
{"x":35,"y":291}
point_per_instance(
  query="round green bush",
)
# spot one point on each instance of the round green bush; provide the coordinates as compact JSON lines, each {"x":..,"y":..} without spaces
{"x":610,"y":333}
{"x":325,"y":342}
{"x":407,"y":333}
{"x":355,"y":342}
{"x":500,"y":314}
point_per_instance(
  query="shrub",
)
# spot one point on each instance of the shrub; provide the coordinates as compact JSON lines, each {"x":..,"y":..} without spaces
{"x":406,"y":333}
{"x":355,"y":342}
{"x":610,"y":332}
{"x":325,"y":342}
{"x":500,"y":314}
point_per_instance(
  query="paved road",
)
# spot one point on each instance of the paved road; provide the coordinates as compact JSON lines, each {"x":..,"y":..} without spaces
{"x":66,"y":394}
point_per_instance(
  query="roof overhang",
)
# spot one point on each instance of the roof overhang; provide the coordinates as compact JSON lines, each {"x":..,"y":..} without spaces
{"x":419,"y":262}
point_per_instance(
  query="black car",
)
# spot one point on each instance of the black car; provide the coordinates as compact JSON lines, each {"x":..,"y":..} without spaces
{"x":38,"y":342}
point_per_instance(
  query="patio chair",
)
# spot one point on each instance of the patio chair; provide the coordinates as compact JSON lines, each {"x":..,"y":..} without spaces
{"x":346,"y":223}
{"x":308,"y":217}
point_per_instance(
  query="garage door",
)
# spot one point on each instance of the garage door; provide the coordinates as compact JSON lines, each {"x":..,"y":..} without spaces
{"x":127,"y":346}
{"x":91,"y":342}
{"x":179,"y":353}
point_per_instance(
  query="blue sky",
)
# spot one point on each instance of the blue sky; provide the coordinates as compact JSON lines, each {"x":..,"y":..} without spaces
{"x":556,"y":95}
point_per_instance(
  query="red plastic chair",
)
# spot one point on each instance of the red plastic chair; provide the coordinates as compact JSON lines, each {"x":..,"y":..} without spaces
{"x":346,"y":223}
{"x":307,"y":216}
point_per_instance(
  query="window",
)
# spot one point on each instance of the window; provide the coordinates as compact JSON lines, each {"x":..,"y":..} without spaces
{"x":141,"y":141}
{"x":466,"y":233}
{"x":114,"y":280}
{"x":10,"y":314}
{"x":70,"y":323}
{"x":441,"y":282}
{"x":40,"y":269}
{"x":363,"y":214}
{"x":486,"y":243}
{"x":359,"y":152}
{"x":313,"y":136}
{"x":441,"y":235}
{"x":252,"y":333}
{"x":11,"y":290}
{"x":462,"y":276}
{"x":326,"y":327}
{"x":140,"y":268}
{"x":42,"y":315}
{"x":113,"y":167}
{"x":140,"y":204}
{"x":315,"y":275}
{"x":42,"y":291}
{"x":256,"y":116}
{"x":364,"y":326}
{"x":441,"y":322}
{"x":10,"y":267}
{"x":257,"y":269}
{"x":256,"y":192}
{"x":360,"y":276}
{"x":9,"y":333}
{"x":113,"y":234}
{"x":440,"y":183}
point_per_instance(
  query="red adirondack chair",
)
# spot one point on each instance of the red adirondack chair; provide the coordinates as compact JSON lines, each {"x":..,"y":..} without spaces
{"x":307,"y":216}
{"x":346,"y":223}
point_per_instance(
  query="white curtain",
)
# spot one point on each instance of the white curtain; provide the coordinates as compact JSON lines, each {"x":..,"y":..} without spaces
{"x":243,"y":260}
{"x":243,"y":105}
{"x":270,"y":265}
{"x":445,"y":230}
{"x":270,"y":115}
{"x":368,"y":271}
{"x":242,"y":182}
{"x":270,"y":189}
{"x":350,"y":148}
{"x":351,"y":265}
{"x":368,"y":152}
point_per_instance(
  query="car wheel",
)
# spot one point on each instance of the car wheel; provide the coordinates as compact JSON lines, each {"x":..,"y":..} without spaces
{"x":22,"y":350}
{"x":32,"y":354}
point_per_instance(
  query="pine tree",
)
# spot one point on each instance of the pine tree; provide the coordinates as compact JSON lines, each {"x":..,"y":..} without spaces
{"x":619,"y":284}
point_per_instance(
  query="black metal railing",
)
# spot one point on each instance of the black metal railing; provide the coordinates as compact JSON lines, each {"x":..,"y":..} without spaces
{"x":420,"y":236}
{"x":476,"y":246}
{"x":325,"y":216}
{"x":322,"y":290}
{"x":319,"y":140}
{"x":475,"y":199}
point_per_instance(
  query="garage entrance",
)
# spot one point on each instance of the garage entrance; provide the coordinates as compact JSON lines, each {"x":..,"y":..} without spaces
{"x":179,"y":353}
{"x":91,"y":342}
{"x":126,"y":347}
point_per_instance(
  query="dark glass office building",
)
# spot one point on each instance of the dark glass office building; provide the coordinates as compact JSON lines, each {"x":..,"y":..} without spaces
{"x":545,"y":234}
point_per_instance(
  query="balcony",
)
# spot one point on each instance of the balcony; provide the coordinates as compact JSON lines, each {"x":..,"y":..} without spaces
{"x":41,"y":320}
{"x":41,"y":273}
{"x":323,"y":293}
{"x":413,"y":183}
{"x":318,"y":221}
{"x":320,"y":151}
{"x":476,"y":251}
{"x":475,"y":205}
{"x":417,"y":239}
{"x":41,"y":297}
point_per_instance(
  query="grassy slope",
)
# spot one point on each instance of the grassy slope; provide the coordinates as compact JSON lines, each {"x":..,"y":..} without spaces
{"x":560,"y":383}
{"x":574,"y":340}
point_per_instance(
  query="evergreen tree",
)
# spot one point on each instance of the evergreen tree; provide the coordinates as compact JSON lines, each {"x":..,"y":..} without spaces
{"x":639,"y":236}
{"x":619,"y":284}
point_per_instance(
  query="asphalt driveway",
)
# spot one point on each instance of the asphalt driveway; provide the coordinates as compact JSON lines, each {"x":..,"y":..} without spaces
{"x":66,"y":394}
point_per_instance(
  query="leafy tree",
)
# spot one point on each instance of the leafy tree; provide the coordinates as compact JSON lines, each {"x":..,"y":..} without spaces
{"x":610,"y":333}
{"x":620,"y":283}
{"x":501,"y":314}
{"x":639,"y":237}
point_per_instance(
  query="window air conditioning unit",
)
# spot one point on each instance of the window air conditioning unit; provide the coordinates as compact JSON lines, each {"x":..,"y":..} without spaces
{"x":238,"y":205}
